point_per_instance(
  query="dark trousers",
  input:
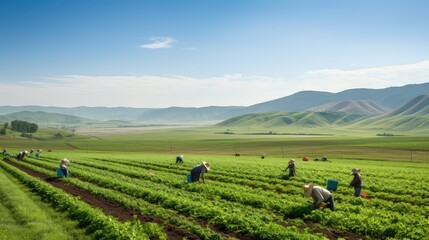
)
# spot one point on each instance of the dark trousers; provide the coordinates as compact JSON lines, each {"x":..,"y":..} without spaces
{"x":357,"y":191}
{"x":65,"y":172}
{"x":330,"y":202}
{"x":195,"y":176}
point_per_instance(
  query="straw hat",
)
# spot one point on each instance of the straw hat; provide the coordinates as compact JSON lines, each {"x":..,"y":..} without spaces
{"x":291,"y":161}
{"x":355,"y":170}
{"x":308,"y":189}
{"x":26,"y":152}
{"x":206,"y":165}
{"x":66,"y":160}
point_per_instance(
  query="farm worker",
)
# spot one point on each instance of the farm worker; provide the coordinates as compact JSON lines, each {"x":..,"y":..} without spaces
{"x":199,"y":170}
{"x":4,"y":152}
{"x":179,"y":159}
{"x":305,"y":158}
{"x":291,"y":167}
{"x":63,"y":165}
{"x":263,"y":156}
{"x":21,"y":155}
{"x":320,"y":195}
{"x":324,"y":158}
{"x":356,"y":183}
{"x":38,"y":153}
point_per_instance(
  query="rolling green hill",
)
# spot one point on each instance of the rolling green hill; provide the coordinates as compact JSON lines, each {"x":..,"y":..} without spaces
{"x":293,"y":119}
{"x":47,"y":119}
{"x":391,"y":97}
{"x":413,"y":116}
{"x":361,"y":107}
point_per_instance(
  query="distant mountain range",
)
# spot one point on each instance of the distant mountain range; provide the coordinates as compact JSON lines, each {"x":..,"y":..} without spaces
{"x":383,"y":103}
{"x":411,"y":116}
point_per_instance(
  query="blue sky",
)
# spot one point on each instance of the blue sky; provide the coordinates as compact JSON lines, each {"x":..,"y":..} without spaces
{"x":195,"y":53}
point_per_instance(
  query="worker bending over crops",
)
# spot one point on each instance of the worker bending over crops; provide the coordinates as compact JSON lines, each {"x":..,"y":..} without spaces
{"x":199,"y":170}
{"x":21,"y":155}
{"x":322,"y":197}
{"x":356,"y":183}
{"x":179,"y":159}
{"x":63,"y":165}
{"x":291,"y":167}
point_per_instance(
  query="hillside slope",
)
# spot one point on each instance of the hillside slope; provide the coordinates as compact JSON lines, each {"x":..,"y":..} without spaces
{"x":411,"y":116}
{"x":293,"y":119}
{"x":361,"y":107}
{"x":46,"y":119}
{"x":391,"y":97}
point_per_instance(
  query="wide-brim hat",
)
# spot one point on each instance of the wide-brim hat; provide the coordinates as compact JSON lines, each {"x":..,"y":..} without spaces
{"x":66,"y":160}
{"x":26,"y":152}
{"x":206,"y":165}
{"x":355,"y":170}
{"x":308,"y":189}
{"x":291,"y":161}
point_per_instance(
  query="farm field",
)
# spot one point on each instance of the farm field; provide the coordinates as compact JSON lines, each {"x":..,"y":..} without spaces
{"x":244,"y":197}
{"x":212,"y":140}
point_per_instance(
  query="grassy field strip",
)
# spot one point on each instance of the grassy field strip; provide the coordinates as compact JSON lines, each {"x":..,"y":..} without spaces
{"x":94,"y":220}
{"x":372,"y":211}
{"x":243,"y":221}
{"x":23,"y":215}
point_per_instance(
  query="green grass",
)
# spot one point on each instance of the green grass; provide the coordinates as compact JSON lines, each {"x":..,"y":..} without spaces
{"x":24,"y":216}
{"x":210,"y":140}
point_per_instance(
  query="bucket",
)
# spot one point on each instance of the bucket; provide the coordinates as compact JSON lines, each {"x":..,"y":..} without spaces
{"x":60,"y":172}
{"x":189,"y":178}
{"x":332,"y":184}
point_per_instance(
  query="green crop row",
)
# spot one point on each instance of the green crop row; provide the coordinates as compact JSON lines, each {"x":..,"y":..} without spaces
{"x":94,"y":220}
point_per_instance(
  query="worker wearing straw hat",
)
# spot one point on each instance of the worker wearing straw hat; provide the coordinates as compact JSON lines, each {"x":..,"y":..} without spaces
{"x":21,"y":155}
{"x":63,"y":165}
{"x":356,"y":183}
{"x":199,"y":171}
{"x":319,"y":195}
{"x":291,"y":167}
{"x":179,"y":159}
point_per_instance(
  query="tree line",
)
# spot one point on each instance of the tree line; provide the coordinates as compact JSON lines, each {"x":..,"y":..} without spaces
{"x":19,"y":126}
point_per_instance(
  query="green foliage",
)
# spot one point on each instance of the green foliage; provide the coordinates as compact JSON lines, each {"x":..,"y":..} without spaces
{"x":249,"y":196}
{"x":102,"y":226}
{"x":23,"y":126}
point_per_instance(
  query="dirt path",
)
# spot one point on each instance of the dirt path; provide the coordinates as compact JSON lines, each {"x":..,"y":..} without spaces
{"x":110,"y":207}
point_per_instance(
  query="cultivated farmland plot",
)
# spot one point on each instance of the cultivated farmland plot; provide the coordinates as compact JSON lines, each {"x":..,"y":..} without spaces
{"x":243,"y":197}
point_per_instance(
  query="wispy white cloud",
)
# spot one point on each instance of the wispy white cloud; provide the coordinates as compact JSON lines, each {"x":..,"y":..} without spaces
{"x":378,"y":77}
{"x":159,"y":43}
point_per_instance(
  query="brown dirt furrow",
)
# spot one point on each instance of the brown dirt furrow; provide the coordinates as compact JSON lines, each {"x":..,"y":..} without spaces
{"x":330,"y":233}
{"x":109,"y":207}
